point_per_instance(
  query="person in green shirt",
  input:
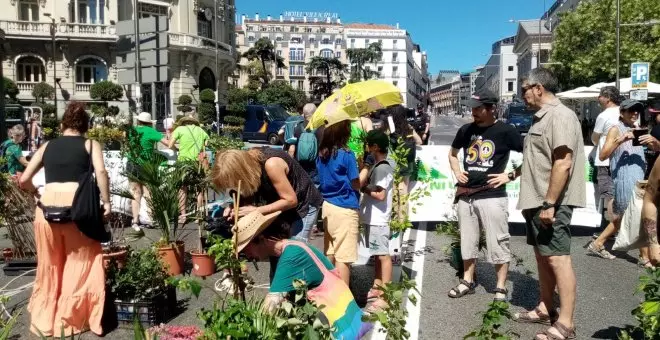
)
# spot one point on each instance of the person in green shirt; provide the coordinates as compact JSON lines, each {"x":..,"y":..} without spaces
{"x":13,"y":153}
{"x":191,"y":139}
{"x":148,"y":137}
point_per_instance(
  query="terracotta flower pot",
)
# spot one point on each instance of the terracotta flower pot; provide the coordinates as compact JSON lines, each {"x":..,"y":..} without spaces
{"x":172,"y":257}
{"x":8,"y":254}
{"x":119,"y":256}
{"x":203,"y":264}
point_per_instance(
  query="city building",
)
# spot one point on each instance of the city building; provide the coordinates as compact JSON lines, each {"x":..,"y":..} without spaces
{"x":500,"y":74}
{"x":558,"y":7}
{"x":461,"y":88}
{"x":403,"y":63}
{"x":533,"y":46}
{"x":442,"y":99}
{"x":445,"y":76}
{"x":474,"y":77}
{"x":86,"y":47}
{"x":297,"y":38}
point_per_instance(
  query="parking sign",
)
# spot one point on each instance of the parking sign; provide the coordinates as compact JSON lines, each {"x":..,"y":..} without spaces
{"x":639,"y":72}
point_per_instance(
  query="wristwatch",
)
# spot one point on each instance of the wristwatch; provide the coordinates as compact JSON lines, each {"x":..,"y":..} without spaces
{"x":512,"y":176}
{"x":545,"y":205}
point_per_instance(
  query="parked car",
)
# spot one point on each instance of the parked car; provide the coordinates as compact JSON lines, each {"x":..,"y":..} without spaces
{"x":263,"y":122}
{"x":519,"y":116}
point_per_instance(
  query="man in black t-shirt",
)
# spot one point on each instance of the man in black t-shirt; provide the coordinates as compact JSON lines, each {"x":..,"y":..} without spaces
{"x":481,"y":193}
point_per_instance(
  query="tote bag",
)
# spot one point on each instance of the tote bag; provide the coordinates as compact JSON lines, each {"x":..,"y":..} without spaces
{"x":631,"y":222}
{"x":86,"y":209}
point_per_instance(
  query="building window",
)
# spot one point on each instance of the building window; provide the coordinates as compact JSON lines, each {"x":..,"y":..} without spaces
{"x":90,"y":71}
{"x":325,"y":41}
{"x":338,"y":54}
{"x":395,"y":83}
{"x":301,"y":84}
{"x":301,"y":71}
{"x":296,"y":40}
{"x":279,"y":71}
{"x":312,"y":40}
{"x":262,"y":28}
{"x":28,"y":10}
{"x":394,"y":43}
{"x":308,"y":29}
{"x":249,"y":28}
{"x":278,"y":38}
{"x":366,"y":42}
{"x":352,"y":43}
{"x":87,"y":10}
{"x":292,"y":72}
{"x":293,"y":29}
{"x":380,"y":41}
{"x":150,"y":10}
{"x":250,"y":38}
{"x":311,"y":54}
{"x":509,"y":86}
{"x":395,"y":72}
{"x":326,"y":53}
{"x":338,"y":41}
{"x":204,"y":27}
{"x":322,"y":30}
{"x":278,"y":29}
{"x":293,"y":83}
{"x":30,"y":69}
{"x":395,"y":57}
{"x":296,"y":54}
{"x":510,"y":68}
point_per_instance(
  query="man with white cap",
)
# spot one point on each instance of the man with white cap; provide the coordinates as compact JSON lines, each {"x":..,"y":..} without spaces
{"x":146,"y":136}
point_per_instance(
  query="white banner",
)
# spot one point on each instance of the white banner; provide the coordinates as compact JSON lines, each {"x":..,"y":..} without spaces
{"x":441,"y":186}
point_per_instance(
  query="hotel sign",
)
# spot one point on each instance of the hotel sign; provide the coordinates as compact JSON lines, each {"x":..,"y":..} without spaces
{"x":310,"y":15}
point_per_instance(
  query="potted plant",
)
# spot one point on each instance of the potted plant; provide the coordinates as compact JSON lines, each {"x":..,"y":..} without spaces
{"x":203,"y":263}
{"x":110,"y":137}
{"x":116,"y":250}
{"x":140,"y":290}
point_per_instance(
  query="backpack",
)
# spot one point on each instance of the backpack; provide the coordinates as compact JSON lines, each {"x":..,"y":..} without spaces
{"x":307,"y":148}
{"x":4,"y":167}
{"x":290,"y":126}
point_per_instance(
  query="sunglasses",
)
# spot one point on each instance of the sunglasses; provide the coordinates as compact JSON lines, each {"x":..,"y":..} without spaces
{"x":528,"y":87}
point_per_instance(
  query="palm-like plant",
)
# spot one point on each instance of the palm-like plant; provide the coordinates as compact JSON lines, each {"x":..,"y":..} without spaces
{"x":361,"y":57}
{"x":264,"y":51}
{"x":332,"y":74}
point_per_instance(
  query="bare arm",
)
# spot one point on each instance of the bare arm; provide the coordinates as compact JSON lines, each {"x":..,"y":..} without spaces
{"x":100,"y":172}
{"x":165,"y":141}
{"x":364,"y":177}
{"x":276,"y":169}
{"x":649,"y":207}
{"x":171,"y":144}
{"x":561,"y":168}
{"x":595,"y":137}
{"x":614,"y":139}
{"x":417,"y":138}
{"x":461,"y":176}
{"x":32,"y":168}
{"x":292,"y":150}
{"x":23,"y":161}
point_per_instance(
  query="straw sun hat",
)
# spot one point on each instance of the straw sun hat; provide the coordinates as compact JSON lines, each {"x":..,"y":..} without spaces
{"x":252,"y":225}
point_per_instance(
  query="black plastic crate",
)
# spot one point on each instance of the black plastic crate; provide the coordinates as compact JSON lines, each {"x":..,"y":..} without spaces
{"x":15,"y":267}
{"x":159,"y":309}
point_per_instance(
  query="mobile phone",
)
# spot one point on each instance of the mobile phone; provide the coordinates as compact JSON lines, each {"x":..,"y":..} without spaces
{"x":638,"y":133}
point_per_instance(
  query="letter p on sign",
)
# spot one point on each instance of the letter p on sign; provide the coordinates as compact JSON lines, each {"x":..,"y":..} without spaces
{"x":640,"y":75}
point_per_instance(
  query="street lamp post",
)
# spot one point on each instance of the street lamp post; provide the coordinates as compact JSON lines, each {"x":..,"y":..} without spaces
{"x":3,"y":128}
{"x":52,"y":36}
{"x":618,"y":43}
{"x":217,"y":74}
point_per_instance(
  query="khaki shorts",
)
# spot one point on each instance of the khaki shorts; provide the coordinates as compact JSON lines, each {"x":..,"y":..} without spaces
{"x":341,"y":232}
{"x":490,"y":215}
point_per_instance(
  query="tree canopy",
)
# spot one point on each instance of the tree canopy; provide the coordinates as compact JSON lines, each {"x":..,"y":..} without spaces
{"x":264,"y":51}
{"x":327,"y":74}
{"x":43,"y":90}
{"x":359,"y":58}
{"x":106,"y":91}
{"x":585,"y":42}
{"x":281,"y":93}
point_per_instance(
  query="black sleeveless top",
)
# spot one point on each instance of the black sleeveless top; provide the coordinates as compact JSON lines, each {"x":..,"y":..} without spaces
{"x":306,"y":192}
{"x":65,"y":159}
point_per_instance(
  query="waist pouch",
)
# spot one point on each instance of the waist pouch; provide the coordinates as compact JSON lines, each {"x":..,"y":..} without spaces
{"x":55,"y":214}
{"x":467,"y":192}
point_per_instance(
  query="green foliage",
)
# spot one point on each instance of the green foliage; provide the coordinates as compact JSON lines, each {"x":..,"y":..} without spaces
{"x":142,"y":277}
{"x":361,"y":57}
{"x":393,"y":317}
{"x":234,"y":121}
{"x":450,"y":229}
{"x":7,"y":326}
{"x":238,"y":319}
{"x":648,"y":311}
{"x":106,"y":91}
{"x":222,"y":251}
{"x":207,"y":96}
{"x":585,"y":41}
{"x":238,"y":99}
{"x":11,"y":90}
{"x":49,"y":122}
{"x":184,"y":103}
{"x":332,"y":75}
{"x":220,"y":143}
{"x":491,"y":325}
{"x":300,"y":319}
{"x":106,"y":135}
{"x":47,"y":108}
{"x":264,"y":51}
{"x":400,"y":220}
{"x":206,"y":113}
{"x":42,"y":91}
{"x":281,"y":93}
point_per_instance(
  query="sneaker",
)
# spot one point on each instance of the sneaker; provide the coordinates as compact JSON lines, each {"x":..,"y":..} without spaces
{"x":136,"y":227}
{"x":593,"y":250}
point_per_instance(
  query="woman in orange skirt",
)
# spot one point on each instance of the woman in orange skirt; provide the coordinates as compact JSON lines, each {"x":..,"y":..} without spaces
{"x":69,"y":288}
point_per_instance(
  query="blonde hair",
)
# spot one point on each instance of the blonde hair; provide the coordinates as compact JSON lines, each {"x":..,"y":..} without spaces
{"x":16,"y":131}
{"x":232,"y":166}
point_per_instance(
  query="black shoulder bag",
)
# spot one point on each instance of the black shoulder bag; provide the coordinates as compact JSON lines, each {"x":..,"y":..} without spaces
{"x":86,"y":209}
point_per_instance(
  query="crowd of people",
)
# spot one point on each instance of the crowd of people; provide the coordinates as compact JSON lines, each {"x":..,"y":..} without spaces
{"x":349,"y":181}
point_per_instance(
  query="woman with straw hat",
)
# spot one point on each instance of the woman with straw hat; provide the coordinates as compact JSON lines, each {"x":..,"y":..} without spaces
{"x":147,"y":137}
{"x":300,"y":261}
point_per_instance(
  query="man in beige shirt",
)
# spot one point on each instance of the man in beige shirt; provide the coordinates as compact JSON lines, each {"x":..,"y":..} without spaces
{"x":552,"y":185}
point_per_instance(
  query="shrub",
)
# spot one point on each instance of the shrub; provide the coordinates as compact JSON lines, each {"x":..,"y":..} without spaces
{"x":207,"y":96}
{"x":206,"y":113}
{"x":11,"y":90}
{"x":234,"y":121}
{"x":142,"y":277}
{"x":185,"y":99}
{"x":42,"y":91}
{"x":106,"y":91}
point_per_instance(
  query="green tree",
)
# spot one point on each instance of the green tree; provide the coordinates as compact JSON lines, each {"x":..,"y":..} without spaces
{"x":11,"y":90}
{"x":359,"y":58}
{"x":106,"y":91}
{"x":206,"y":109}
{"x":184,"y":104}
{"x":585,"y":42}
{"x":264,"y":51}
{"x":331,"y":72}
{"x":281,"y":93}
{"x":238,"y":99}
{"x":42,"y":91}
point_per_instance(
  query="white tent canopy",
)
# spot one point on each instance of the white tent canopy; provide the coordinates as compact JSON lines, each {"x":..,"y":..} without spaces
{"x":626,"y":86}
{"x":593,"y":91}
{"x":579,"y":93}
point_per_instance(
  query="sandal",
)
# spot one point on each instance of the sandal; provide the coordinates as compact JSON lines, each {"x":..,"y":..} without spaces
{"x":541,"y":318}
{"x":501,"y":291}
{"x":600,"y":252}
{"x":565,"y":332}
{"x":457,"y":293}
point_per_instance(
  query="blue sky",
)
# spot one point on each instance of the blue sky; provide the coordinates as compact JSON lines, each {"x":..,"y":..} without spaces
{"x":455,"y":34}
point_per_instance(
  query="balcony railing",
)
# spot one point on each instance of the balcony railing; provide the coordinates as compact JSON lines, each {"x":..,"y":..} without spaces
{"x":193,"y":41}
{"x":25,"y":87}
{"x":83,"y":87}
{"x":29,"y":29}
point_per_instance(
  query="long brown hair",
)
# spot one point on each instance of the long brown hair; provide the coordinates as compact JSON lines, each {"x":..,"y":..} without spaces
{"x":233,"y":165}
{"x":334,"y":137}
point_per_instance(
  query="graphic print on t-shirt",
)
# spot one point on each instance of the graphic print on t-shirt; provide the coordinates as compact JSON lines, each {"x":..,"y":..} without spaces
{"x":479,"y":155}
